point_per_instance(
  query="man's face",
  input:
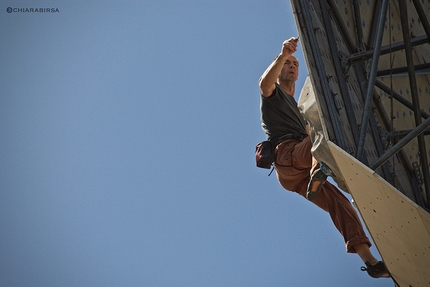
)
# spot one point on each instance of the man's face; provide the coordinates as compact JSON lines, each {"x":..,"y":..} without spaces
{"x":290,"y":71}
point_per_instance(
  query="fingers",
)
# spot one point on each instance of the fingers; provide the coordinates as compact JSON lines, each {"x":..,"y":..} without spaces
{"x":290,"y":46}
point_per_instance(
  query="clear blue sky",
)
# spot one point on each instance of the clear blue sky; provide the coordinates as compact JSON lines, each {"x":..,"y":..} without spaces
{"x":127,"y":135}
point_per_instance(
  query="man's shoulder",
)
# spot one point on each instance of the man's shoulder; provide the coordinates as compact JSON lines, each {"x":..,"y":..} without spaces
{"x":276,"y":91}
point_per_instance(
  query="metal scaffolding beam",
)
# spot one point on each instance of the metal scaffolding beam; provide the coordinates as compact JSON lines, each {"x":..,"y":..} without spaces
{"x":371,"y":84}
{"x":423,"y":17}
{"x":366,"y":55}
{"x":420,"y":69}
{"x":414,"y":92}
{"x":398,"y":146}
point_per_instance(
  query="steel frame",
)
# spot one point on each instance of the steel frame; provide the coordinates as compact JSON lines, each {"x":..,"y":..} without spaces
{"x":358,"y":56}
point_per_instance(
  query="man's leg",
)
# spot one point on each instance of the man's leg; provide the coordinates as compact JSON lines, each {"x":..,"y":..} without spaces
{"x":346,"y":220}
{"x":302,"y":156}
{"x":290,"y":169}
{"x":365,"y":254}
{"x":330,"y":199}
{"x":342,"y":213}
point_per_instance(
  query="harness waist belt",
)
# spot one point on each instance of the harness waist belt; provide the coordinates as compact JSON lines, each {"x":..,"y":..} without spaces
{"x":288,"y":136}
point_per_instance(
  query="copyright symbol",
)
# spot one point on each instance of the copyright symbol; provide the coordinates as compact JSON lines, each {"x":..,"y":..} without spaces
{"x":9,"y":9}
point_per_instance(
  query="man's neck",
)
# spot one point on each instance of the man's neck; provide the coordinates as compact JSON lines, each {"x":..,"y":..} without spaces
{"x":289,"y":88}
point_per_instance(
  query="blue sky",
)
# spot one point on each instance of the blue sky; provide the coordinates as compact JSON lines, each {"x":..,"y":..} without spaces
{"x":128,"y":132}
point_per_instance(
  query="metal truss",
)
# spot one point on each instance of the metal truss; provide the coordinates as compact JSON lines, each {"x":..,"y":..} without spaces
{"x":355,"y":44}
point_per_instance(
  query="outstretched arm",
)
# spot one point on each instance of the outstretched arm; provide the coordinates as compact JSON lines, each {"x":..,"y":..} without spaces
{"x":270,"y":76}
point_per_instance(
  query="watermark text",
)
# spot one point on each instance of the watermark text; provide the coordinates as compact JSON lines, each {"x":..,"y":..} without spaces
{"x":32,"y":10}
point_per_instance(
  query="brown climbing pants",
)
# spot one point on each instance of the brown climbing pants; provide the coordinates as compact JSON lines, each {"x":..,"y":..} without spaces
{"x":294,"y":165}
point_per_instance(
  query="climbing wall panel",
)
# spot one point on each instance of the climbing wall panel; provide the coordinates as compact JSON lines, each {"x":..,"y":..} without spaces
{"x":399,"y":228}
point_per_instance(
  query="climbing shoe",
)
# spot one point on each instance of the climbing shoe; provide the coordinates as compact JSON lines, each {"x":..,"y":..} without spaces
{"x":318,"y":178}
{"x":376,"y":271}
